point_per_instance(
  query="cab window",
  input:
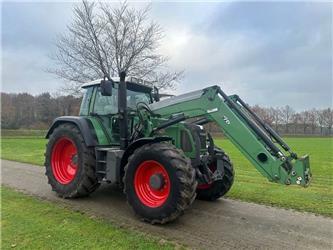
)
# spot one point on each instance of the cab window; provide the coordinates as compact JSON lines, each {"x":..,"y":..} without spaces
{"x":105,"y":105}
{"x":133,"y":98}
{"x":84,"y":109}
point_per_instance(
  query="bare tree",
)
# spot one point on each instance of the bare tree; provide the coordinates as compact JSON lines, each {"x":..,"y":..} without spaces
{"x":313,"y":120}
{"x":263,"y":113}
{"x":276,"y":115}
{"x":105,"y":39}
{"x":287,"y":112}
{"x":304,"y":119}
{"x":321,"y":120}
{"x":296,"y":117}
{"x":68,"y":105}
{"x":328,"y":118}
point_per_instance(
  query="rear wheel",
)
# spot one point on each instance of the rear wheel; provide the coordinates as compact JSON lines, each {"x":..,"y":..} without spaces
{"x":159,"y":182}
{"x":70,"y":164}
{"x":213,"y":191}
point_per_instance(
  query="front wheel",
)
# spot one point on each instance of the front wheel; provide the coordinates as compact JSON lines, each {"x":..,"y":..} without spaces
{"x":213,"y":191}
{"x":159,"y":182}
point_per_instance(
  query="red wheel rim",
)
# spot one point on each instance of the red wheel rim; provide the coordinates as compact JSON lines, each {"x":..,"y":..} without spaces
{"x":149,"y":195}
{"x":204,"y":185}
{"x":64,"y":160}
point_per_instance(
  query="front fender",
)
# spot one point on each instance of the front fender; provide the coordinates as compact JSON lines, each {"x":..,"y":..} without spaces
{"x":140,"y":142}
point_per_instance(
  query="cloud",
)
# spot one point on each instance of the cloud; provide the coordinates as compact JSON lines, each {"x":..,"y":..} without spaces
{"x":23,"y":71}
{"x":271,"y":54}
{"x":268,"y":53}
{"x":28,"y":32}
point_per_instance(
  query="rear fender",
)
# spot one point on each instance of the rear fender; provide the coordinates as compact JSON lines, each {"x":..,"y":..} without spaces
{"x":82,"y":123}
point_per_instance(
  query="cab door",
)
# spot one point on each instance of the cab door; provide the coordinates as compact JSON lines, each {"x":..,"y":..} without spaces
{"x":104,"y":111}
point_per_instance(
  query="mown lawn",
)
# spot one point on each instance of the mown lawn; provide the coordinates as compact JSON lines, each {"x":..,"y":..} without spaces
{"x":28,"y":150}
{"x":249,"y":185}
{"x":28,"y":223}
{"x":23,"y":133}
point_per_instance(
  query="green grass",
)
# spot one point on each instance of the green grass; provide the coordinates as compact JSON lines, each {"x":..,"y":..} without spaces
{"x":29,"y":223}
{"x":23,"y":133}
{"x":249,"y":185}
{"x":29,"y":150}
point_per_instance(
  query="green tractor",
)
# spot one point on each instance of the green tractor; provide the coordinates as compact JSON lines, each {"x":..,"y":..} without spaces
{"x":157,"y":151}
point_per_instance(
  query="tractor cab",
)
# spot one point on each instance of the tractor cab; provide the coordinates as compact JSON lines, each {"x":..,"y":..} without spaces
{"x":95,"y":101}
{"x":101,"y":101}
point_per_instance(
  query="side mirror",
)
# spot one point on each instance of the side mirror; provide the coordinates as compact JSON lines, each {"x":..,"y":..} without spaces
{"x":156,"y":94}
{"x":106,"y":88}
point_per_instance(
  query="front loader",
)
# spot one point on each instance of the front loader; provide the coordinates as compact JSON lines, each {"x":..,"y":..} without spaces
{"x":157,"y":151}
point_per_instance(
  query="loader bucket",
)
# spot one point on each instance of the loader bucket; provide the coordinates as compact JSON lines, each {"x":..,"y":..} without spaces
{"x":301,"y":174}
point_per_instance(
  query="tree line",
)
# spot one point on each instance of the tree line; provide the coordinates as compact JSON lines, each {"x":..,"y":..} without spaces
{"x":286,"y":121}
{"x":37,"y":112}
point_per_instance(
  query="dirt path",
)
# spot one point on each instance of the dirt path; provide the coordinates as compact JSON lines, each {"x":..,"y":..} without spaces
{"x":224,"y":224}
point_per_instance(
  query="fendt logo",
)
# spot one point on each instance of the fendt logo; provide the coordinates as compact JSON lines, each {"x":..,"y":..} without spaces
{"x":226,"y":120}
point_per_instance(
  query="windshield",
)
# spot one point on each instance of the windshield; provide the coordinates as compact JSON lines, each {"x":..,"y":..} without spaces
{"x":109,"y":104}
{"x":133,"y":98}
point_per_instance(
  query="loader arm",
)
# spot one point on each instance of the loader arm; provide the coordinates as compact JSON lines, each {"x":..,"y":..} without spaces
{"x":259,"y":143}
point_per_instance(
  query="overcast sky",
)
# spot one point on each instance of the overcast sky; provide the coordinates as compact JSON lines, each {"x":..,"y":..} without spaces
{"x":271,"y":54}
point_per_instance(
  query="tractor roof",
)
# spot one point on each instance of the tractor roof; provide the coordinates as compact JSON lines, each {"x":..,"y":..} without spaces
{"x":133,"y":81}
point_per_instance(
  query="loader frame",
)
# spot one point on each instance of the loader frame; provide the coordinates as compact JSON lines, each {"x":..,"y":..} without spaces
{"x":260,"y":144}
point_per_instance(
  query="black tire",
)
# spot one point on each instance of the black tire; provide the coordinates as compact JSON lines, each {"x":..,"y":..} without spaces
{"x":84,"y":181}
{"x":182,"y":182}
{"x":221,"y":187}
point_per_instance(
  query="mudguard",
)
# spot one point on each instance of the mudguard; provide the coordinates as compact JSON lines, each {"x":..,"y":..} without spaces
{"x":82,"y":123}
{"x":140,"y":142}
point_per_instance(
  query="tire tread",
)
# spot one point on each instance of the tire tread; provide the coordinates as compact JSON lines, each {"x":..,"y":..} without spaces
{"x":185,"y":174}
{"x":88,"y":182}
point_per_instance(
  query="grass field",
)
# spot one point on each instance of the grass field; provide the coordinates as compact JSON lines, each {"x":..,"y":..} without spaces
{"x":249,"y":185}
{"x":23,"y":133}
{"x":43,"y":225}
